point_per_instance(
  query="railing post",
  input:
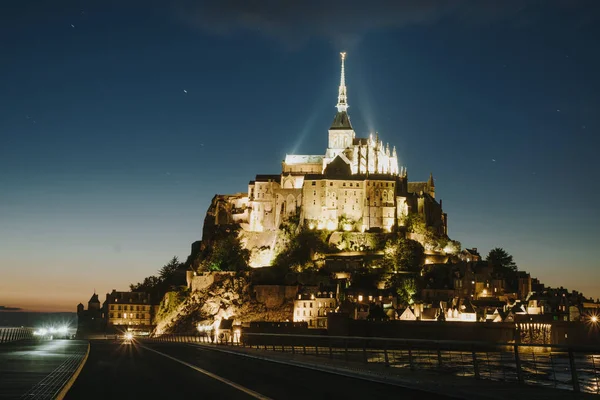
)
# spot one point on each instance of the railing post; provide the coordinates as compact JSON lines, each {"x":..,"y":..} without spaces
{"x":293,"y":350}
{"x":410,"y":360}
{"x":475,"y":365}
{"x":573,"y":371}
{"x":518,"y":365}
{"x":346,"y":349}
{"x":316,"y":350}
{"x":385,"y":355}
{"x":304,"y":349}
{"x":439,"y":358}
{"x":364,"y":349}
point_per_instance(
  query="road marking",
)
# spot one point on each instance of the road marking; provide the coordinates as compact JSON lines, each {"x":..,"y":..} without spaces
{"x":250,"y":392}
{"x":63,"y":392}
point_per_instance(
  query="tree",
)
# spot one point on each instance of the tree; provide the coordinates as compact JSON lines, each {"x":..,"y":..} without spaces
{"x":406,"y":287}
{"x":168,"y":270}
{"x":226,"y":254}
{"x":170,"y":275}
{"x":501,"y":260}
{"x":300,"y":248}
{"x":402,"y":254}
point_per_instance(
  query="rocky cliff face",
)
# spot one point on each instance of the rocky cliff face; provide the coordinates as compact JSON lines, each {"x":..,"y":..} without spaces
{"x":231,"y":296}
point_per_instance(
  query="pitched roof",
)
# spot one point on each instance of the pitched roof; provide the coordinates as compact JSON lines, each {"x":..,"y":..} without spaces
{"x":341,"y":121}
{"x":267,"y":178}
{"x":338,"y":167}
{"x":226,"y":324}
{"x":292,"y":159}
{"x":416,"y":187}
{"x":94,"y":299}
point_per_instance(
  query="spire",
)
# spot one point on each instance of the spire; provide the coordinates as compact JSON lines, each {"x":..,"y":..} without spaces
{"x":430,"y":181}
{"x":342,"y":104}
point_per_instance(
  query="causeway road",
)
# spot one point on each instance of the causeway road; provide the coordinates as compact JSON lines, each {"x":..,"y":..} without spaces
{"x":115,"y":370}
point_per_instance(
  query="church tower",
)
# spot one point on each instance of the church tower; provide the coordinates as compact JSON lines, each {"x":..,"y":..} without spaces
{"x":341,"y":134}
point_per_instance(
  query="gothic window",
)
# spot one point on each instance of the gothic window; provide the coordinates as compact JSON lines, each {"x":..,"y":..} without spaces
{"x":314,"y":192}
{"x":377,"y":192}
{"x":350,"y":184}
{"x":330,"y":183}
{"x":314,"y":202}
{"x":314,"y":183}
{"x":345,"y":193}
{"x":344,"y":183}
{"x":356,"y":201}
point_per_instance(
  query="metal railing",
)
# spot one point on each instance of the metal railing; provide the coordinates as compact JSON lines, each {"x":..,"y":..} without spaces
{"x":554,"y":366}
{"x":14,"y":334}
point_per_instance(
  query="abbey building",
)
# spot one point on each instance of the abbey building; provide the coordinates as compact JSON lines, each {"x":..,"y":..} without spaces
{"x":356,"y":185}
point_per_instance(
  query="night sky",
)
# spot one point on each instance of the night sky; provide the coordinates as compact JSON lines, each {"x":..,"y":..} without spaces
{"x":119,"y":121}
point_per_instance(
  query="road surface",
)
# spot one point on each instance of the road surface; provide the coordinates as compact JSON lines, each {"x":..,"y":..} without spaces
{"x":38,"y":369}
{"x":177,"y":370}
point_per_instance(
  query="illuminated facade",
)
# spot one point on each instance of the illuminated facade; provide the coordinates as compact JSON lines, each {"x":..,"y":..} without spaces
{"x":357,"y":185}
{"x":128,"y":308}
{"x":313,"y":308}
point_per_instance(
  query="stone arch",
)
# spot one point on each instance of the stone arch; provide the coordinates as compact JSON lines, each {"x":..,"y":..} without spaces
{"x":288,"y":182}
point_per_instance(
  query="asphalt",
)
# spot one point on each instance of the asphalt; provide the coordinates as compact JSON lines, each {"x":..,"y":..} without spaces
{"x":38,"y":369}
{"x":175,"y":371}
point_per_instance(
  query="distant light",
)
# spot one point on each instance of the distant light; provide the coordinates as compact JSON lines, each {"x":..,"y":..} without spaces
{"x":331,"y":225}
{"x":594,"y":319}
{"x":128,"y":335}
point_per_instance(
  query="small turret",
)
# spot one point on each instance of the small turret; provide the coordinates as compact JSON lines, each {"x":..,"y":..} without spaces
{"x":431,"y":186}
{"x":430,"y":182}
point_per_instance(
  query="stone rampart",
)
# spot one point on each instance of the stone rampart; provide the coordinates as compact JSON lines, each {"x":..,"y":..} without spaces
{"x":273,"y":296}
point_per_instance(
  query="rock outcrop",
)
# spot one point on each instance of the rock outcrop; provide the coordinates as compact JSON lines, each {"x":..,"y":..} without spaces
{"x":230,"y":296}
